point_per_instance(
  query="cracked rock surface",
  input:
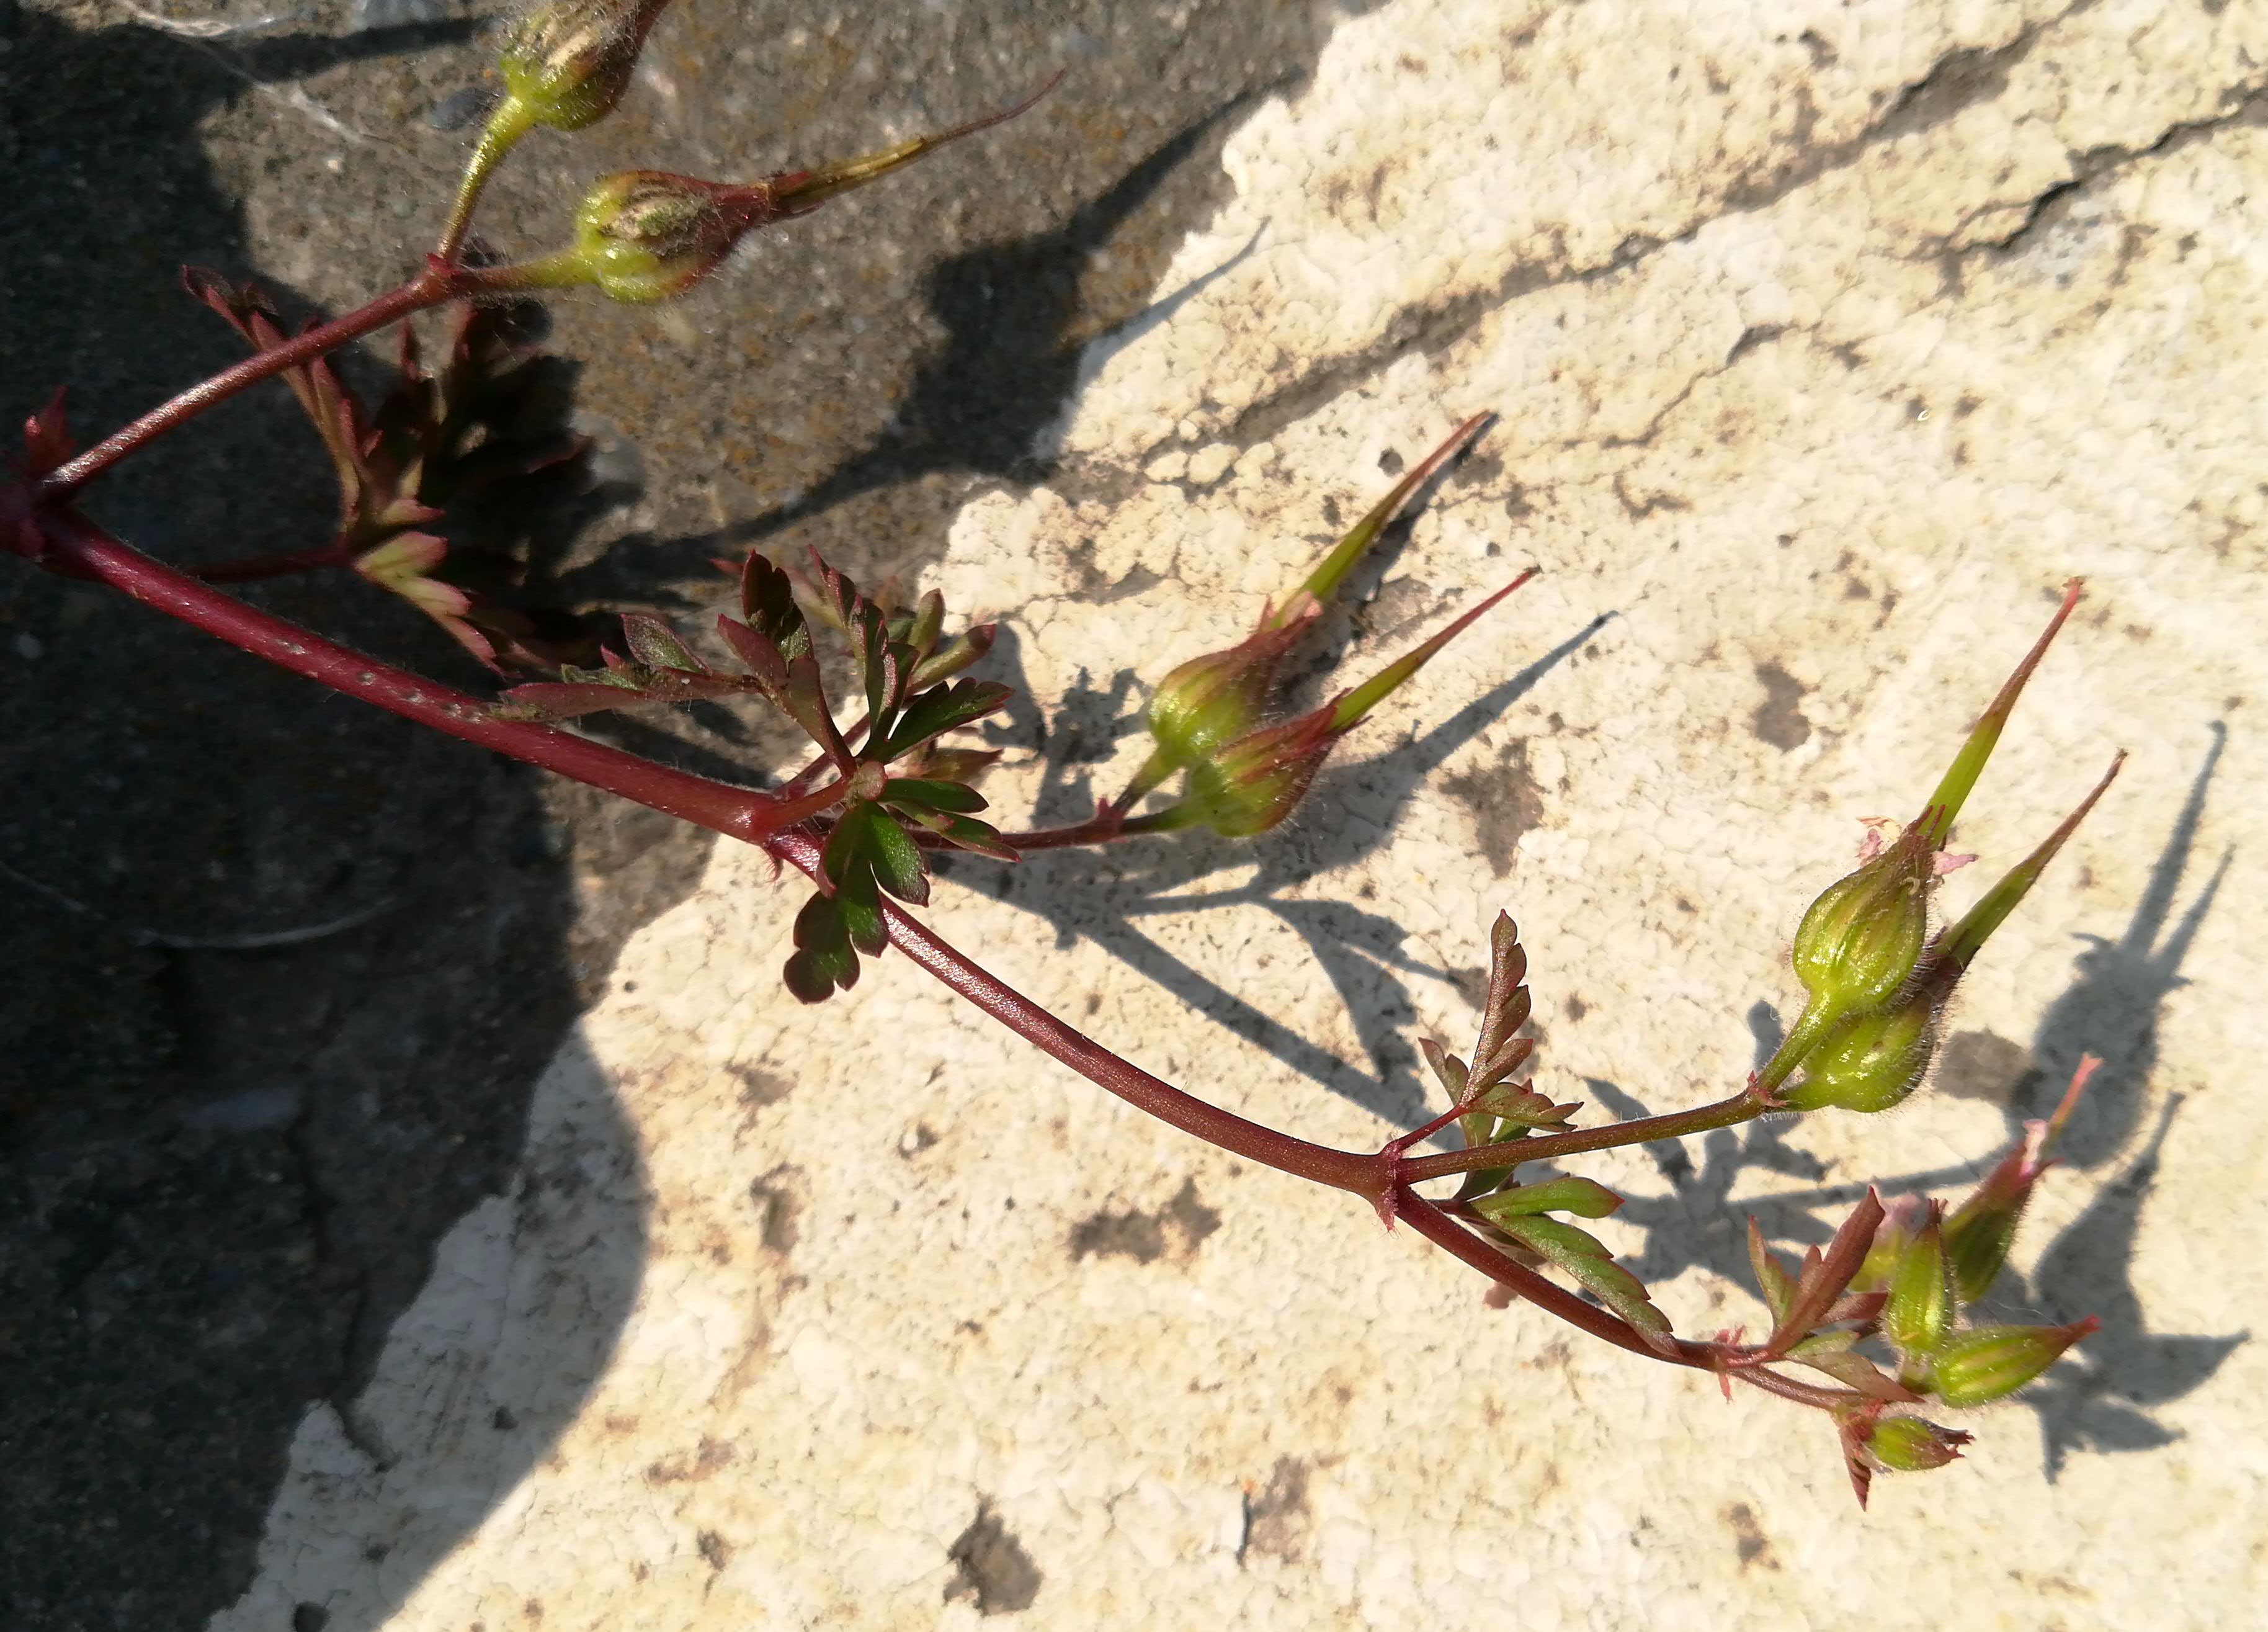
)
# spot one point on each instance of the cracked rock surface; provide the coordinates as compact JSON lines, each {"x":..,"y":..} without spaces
{"x":1828,"y":340}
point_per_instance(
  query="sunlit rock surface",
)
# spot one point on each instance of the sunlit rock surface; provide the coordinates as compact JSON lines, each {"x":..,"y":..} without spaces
{"x":1829,"y":340}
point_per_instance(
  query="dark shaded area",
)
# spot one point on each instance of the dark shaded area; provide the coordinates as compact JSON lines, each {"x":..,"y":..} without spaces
{"x":1750,"y":1542}
{"x":928,"y":356}
{"x":1505,"y":801}
{"x":1181,"y":1225}
{"x":283,"y":971}
{"x":1277,"y":1517}
{"x":990,"y":1567}
{"x":1778,"y":719}
{"x":1010,"y":313}
{"x":1014,"y":323}
{"x":2099,"y":1396}
{"x":2111,"y":1010}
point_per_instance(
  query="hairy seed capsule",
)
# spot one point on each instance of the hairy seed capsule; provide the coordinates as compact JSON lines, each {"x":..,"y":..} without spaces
{"x":568,"y":62}
{"x":1874,"y":1061}
{"x":644,"y":235}
{"x":1992,"y":1362}
{"x":1900,"y":1444}
{"x":1862,"y":937}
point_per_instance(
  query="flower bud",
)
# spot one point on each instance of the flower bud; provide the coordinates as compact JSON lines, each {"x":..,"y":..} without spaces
{"x":1250,"y":786}
{"x":1953,"y":790}
{"x":1220,"y":697}
{"x":1902,"y":1445}
{"x":1902,"y":1220}
{"x":1860,"y":940}
{"x":1331,"y":571}
{"x":646,"y":235}
{"x":1982,"y":1228}
{"x":1992,"y":1362}
{"x":1960,"y":944}
{"x":1918,"y":1317}
{"x":567,"y":63}
{"x":1873,"y":1062}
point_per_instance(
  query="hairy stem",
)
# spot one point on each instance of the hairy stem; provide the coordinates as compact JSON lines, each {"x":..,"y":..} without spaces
{"x":510,"y":123}
{"x":252,"y":569}
{"x":79,"y":547}
{"x":1095,"y":830}
{"x":1428,"y":1221}
{"x":85,"y":550}
{"x":432,"y":286}
{"x":1342,"y":1170}
{"x":1741,"y":1107}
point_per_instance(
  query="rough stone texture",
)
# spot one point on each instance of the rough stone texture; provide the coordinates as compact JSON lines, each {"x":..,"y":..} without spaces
{"x":1828,"y":342}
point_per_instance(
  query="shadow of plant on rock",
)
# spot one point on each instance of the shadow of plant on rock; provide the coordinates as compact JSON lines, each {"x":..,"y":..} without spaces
{"x":1013,"y":350}
{"x":1349,"y":816}
{"x":2102,"y":1401}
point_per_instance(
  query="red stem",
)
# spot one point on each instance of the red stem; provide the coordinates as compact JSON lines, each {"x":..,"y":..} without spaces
{"x":1644,"y":1130}
{"x":252,"y":569}
{"x":1342,"y":1170}
{"x":432,"y":285}
{"x":1429,"y":1220}
{"x":1445,"y":1232}
{"x":803,"y":778}
{"x":737,"y":812}
{"x":1095,"y":830}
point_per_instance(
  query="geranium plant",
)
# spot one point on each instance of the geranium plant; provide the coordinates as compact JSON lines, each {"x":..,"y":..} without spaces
{"x":1872,"y":1331}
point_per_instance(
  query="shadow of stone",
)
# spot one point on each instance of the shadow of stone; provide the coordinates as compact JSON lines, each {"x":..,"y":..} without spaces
{"x":480,"y":1373}
{"x":283,"y":971}
{"x":1011,"y":358}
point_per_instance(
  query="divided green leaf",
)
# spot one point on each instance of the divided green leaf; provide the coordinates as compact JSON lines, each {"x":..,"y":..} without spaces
{"x":1446,"y":1066}
{"x":932,"y":794}
{"x":1586,"y":1198}
{"x":662,"y":670}
{"x":936,"y":667}
{"x":1772,"y":1278}
{"x":769,"y":605}
{"x":1523,"y":1107}
{"x":935,"y":711}
{"x":1820,"y":1287}
{"x":1833,"y":1353}
{"x":1584,"y":1257}
{"x":1505,"y":1007}
{"x":655,"y":644}
{"x":823,"y":962}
